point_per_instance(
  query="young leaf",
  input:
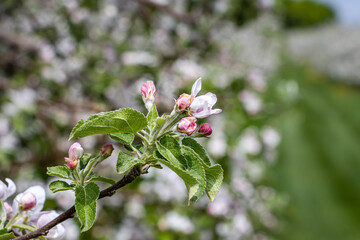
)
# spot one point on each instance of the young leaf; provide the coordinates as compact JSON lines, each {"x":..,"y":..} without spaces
{"x":191,"y":183}
{"x":84,"y":160}
{"x":124,"y":138}
{"x":194,"y":145}
{"x":126,"y":161}
{"x":2,"y":215}
{"x":95,"y":178}
{"x":85,"y":204}
{"x":214,"y":174}
{"x":170,"y":149}
{"x":196,"y":170}
{"x":7,"y":236}
{"x":124,"y":120}
{"x":152,"y":116}
{"x":59,"y":171}
{"x":58,"y":185}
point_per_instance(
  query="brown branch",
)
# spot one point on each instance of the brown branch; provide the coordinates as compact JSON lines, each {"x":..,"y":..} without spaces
{"x":128,"y":178}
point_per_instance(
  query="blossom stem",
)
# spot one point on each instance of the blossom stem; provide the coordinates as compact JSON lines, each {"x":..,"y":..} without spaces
{"x":12,"y":220}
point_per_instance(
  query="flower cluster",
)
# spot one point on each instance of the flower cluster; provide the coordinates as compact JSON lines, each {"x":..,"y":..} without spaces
{"x":192,"y":105}
{"x":26,"y":210}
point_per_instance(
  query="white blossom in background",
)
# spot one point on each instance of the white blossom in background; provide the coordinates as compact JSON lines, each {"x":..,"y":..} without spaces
{"x":174,"y":221}
{"x":251,"y":102}
{"x":249,"y":142}
{"x":256,"y":79}
{"x":139,"y":58}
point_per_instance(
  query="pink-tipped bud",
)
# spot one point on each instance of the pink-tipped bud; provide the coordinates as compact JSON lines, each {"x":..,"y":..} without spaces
{"x":187,"y":125}
{"x":75,"y":151}
{"x":27,"y":201}
{"x":148,"y":92}
{"x":184,"y":101}
{"x":8,"y":210}
{"x":71,"y":163}
{"x":205,"y":129}
{"x":107,"y":150}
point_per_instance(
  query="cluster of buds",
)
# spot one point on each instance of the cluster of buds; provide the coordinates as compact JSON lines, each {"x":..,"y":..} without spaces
{"x":188,"y":126}
{"x":148,"y":92}
{"x":75,"y":153}
{"x":195,"y":107}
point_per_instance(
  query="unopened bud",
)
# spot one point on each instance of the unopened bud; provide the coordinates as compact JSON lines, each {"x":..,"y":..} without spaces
{"x":75,"y":151}
{"x":184,"y":101}
{"x":107,"y":150}
{"x":27,"y":201}
{"x":71,"y":163}
{"x":205,"y":129}
{"x":8,"y":210}
{"x":148,"y":92}
{"x":187,"y":125}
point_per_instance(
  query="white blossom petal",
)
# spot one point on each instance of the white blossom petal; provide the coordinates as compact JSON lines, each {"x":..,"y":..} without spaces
{"x":57,"y":232}
{"x":196,"y":87}
{"x":11,"y":189}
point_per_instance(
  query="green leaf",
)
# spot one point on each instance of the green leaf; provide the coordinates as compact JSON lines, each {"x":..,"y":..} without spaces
{"x":7,"y":236}
{"x":59,"y":171}
{"x":170,"y":149}
{"x":85,"y":204}
{"x":214,"y":174}
{"x":95,"y":178}
{"x":191,"y":183}
{"x":124,"y":120}
{"x":152,"y":116}
{"x":2,"y":215}
{"x":58,"y":185}
{"x":126,"y":161}
{"x":124,"y":138}
{"x":84,"y":160}
{"x":194,"y":145}
{"x":196,"y":170}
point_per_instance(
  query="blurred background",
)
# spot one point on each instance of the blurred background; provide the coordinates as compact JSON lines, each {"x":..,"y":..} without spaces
{"x":287,"y":77}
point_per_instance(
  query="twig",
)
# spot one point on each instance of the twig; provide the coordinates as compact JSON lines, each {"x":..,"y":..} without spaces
{"x":108,"y":192}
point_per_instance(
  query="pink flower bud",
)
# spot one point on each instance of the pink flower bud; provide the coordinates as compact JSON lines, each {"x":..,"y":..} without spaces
{"x":205,"y":129}
{"x":71,"y":163}
{"x":187,"y":125}
{"x":75,"y":151}
{"x":27,"y":201}
{"x":107,"y":150}
{"x":148,"y":92}
{"x":8,"y":210}
{"x":184,"y":101}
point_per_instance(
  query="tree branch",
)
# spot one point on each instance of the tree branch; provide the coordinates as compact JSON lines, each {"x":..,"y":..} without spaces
{"x":108,"y":192}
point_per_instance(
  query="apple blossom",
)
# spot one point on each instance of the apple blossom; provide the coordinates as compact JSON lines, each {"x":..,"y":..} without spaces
{"x":57,"y":232}
{"x":34,"y":197}
{"x":8,"y":210}
{"x":148,"y":92}
{"x":7,"y":191}
{"x":187,"y":125}
{"x":201,"y":106}
{"x":27,"y":201}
